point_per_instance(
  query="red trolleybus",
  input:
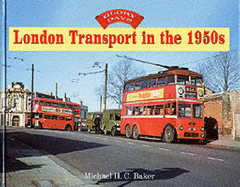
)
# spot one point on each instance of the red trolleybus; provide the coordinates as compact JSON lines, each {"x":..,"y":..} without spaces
{"x":168,"y":105}
{"x":54,"y":114}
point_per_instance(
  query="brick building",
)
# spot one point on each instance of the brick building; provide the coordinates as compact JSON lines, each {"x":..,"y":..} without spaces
{"x":222,"y":110}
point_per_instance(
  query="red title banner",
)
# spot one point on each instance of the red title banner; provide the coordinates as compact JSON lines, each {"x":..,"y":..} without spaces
{"x":119,"y":15}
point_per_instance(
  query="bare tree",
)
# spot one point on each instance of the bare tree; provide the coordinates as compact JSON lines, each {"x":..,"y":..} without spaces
{"x":221,"y":72}
{"x":119,"y":73}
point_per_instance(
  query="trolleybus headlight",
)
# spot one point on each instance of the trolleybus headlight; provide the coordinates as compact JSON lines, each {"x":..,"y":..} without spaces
{"x":181,"y":127}
{"x":202,"y":128}
{"x":202,"y":135}
{"x":180,"y":91}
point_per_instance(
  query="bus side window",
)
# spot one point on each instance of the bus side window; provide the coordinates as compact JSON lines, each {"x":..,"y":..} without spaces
{"x":142,"y":110}
{"x":61,"y":118}
{"x":173,"y":109}
{"x":150,"y":110}
{"x":167,"y":109}
{"x":47,"y":116}
{"x":129,"y":111}
{"x":135,"y":110}
{"x":159,"y":110}
{"x":54,"y":117}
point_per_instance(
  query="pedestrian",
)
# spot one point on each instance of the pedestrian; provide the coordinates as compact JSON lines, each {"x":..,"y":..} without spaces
{"x":97,"y":122}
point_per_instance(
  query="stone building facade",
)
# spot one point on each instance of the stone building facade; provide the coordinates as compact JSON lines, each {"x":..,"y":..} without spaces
{"x":18,"y":97}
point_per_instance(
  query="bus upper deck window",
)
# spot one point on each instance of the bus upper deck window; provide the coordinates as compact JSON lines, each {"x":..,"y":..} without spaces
{"x":183,"y":79}
{"x":171,"y":79}
{"x":128,"y":87}
{"x":48,"y":103}
{"x":54,"y":104}
{"x":161,"y":81}
{"x":137,"y":85}
{"x":144,"y":84}
{"x":62,"y":105}
{"x":152,"y":83}
{"x":196,"y":81}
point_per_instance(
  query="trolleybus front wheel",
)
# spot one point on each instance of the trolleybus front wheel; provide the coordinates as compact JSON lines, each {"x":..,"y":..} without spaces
{"x":169,"y":135}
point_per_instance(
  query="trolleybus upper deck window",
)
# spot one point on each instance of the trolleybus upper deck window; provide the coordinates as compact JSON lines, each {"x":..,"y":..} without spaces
{"x":128,"y":87}
{"x":137,"y":85}
{"x":171,"y":79}
{"x":183,"y":79}
{"x":144,"y":83}
{"x":196,"y":81}
{"x":161,"y":81}
{"x":152,"y":83}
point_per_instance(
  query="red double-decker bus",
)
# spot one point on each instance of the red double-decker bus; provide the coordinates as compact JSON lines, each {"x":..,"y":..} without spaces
{"x":54,"y":114}
{"x":168,"y":105}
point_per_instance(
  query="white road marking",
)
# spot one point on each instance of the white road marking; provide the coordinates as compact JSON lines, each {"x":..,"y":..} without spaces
{"x":163,"y":149}
{"x":131,"y":143}
{"x":188,"y":153}
{"x":105,"y":139}
{"x":118,"y":141}
{"x":146,"y":145}
{"x":218,"y":159}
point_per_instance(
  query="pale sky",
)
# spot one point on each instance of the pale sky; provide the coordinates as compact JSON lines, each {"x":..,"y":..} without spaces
{"x":63,"y":67}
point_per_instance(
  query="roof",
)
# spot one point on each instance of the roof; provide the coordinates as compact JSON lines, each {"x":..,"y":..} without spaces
{"x":177,"y":71}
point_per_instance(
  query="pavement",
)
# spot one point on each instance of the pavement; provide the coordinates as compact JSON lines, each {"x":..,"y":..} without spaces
{"x":224,"y":142}
{"x":28,"y":167}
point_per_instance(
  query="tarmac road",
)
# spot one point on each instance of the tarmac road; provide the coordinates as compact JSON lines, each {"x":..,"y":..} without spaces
{"x":117,"y":161}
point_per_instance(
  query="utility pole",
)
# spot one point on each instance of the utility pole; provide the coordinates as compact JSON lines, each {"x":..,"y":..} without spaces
{"x":100,"y":103}
{"x":56,"y":91}
{"x":31,"y":125}
{"x":105,"y":88}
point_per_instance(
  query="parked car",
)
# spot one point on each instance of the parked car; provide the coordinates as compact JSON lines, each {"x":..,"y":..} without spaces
{"x":110,"y":121}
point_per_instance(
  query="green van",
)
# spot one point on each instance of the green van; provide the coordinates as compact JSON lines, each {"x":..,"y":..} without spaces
{"x":110,"y":121}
